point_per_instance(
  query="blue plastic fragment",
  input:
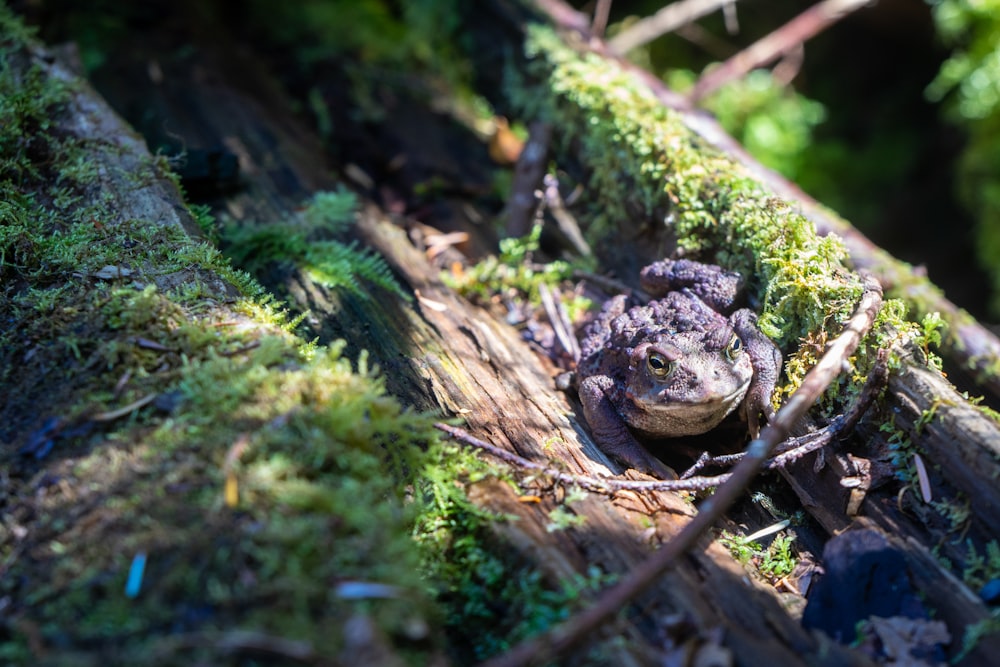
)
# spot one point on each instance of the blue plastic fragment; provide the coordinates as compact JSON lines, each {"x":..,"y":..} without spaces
{"x":135,"y":572}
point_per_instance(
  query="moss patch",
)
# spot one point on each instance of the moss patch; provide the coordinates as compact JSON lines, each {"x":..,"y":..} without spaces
{"x":187,"y":481}
{"x":646,"y":169}
{"x":162,"y":412}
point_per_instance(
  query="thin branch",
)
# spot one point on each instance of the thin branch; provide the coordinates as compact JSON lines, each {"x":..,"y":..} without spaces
{"x":604,"y":485}
{"x":559,"y":320}
{"x":528,"y":173}
{"x":548,"y":646}
{"x":565,"y":221}
{"x":600,"y":22}
{"x":668,"y":19}
{"x":239,"y":642}
{"x":783,"y":40}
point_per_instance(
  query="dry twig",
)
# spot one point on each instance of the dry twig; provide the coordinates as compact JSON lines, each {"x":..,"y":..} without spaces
{"x":783,"y":40}
{"x":600,"y":22}
{"x":528,"y":173}
{"x":668,"y":19}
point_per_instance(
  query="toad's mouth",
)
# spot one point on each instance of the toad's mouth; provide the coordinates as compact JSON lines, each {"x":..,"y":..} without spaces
{"x":661,"y":402}
{"x":687,"y":415}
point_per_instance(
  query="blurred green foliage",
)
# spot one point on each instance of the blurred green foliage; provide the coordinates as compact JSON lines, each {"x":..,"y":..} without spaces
{"x":969,"y":86}
{"x":773,"y":121}
{"x":415,"y":36}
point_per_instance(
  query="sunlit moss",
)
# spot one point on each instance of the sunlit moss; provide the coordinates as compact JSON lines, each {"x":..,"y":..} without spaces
{"x":314,"y":455}
{"x":642,"y":158}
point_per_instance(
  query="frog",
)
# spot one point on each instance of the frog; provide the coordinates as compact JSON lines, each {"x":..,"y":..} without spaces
{"x":675,"y":366}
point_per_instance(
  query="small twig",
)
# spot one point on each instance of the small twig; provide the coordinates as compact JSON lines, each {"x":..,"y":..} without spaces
{"x":799,"y":447}
{"x":122,"y":411}
{"x":147,"y":344}
{"x":668,"y":19}
{"x":600,"y":22}
{"x":528,"y":173}
{"x":610,"y":285}
{"x":252,"y":345}
{"x":548,"y":646}
{"x":559,"y":320}
{"x":803,"y":27}
{"x":605,"y":485}
{"x":240,"y":642}
{"x":565,"y":220}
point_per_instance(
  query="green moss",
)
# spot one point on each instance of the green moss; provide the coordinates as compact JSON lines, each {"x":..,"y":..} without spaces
{"x":268,"y":473}
{"x":646,"y":168}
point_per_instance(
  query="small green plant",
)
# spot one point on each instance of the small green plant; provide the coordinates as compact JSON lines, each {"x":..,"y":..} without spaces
{"x":202,"y":214}
{"x":977,"y":402}
{"x":902,"y":449}
{"x":561,"y":518}
{"x":981,"y":567}
{"x":772,"y":562}
{"x":513,"y":271}
{"x":931,"y":329}
{"x":306,"y":244}
{"x":974,"y":632}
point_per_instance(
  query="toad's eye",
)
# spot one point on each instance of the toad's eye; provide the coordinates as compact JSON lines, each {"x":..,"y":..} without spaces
{"x":734,"y":348}
{"x":658,"y":364}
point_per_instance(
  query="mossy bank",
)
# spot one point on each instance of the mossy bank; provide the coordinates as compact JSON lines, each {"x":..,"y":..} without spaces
{"x":185,"y":479}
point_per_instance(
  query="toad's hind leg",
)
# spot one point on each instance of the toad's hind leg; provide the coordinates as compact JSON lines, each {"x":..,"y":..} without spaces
{"x":713,"y":285}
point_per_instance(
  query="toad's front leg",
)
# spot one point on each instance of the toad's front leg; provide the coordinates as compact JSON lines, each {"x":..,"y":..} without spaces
{"x":611,"y":433}
{"x":765,"y":357}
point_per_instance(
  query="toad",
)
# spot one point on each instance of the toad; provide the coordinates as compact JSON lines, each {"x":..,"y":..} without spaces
{"x":676,"y":366}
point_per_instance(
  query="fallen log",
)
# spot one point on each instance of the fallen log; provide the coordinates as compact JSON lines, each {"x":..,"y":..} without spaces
{"x":441,"y":352}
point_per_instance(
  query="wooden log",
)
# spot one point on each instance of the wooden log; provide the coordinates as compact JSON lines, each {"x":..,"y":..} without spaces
{"x":444,"y":353}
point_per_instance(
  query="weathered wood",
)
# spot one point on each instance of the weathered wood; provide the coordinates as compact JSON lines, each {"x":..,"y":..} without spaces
{"x":443,"y":353}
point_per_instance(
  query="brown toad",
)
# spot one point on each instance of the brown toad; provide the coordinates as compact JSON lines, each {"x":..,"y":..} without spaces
{"x":676,"y":366}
